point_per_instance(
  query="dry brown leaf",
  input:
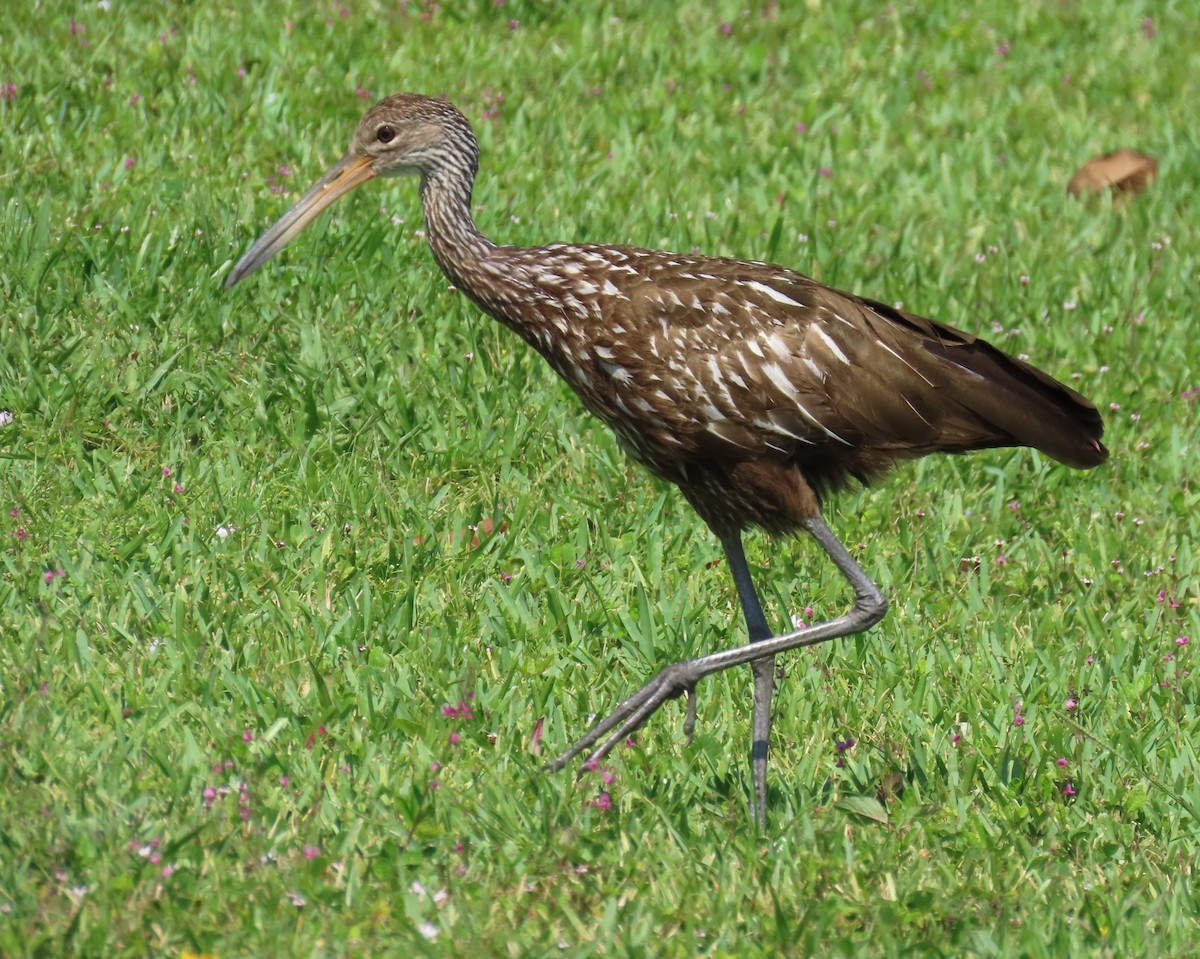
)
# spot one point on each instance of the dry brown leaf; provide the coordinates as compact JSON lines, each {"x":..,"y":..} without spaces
{"x":1122,"y":171}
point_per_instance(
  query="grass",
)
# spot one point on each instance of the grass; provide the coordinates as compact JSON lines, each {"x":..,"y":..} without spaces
{"x":242,"y":616}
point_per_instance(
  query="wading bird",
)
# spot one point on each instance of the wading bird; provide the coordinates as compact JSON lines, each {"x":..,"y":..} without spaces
{"x":752,"y":388}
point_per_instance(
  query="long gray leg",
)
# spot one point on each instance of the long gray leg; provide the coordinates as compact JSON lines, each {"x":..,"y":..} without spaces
{"x":869,"y":607}
{"x":763,"y":669}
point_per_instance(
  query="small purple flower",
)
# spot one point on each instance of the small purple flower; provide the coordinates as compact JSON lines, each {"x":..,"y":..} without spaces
{"x":1018,"y":720}
{"x":825,"y":172}
{"x":1068,"y":789}
{"x":842,"y":745}
{"x":1061,"y":762}
{"x":1181,"y":640}
{"x":130,"y":163}
{"x":454,"y":739}
{"x":247,"y":735}
{"x":726,"y":29}
{"x":603,"y":802}
{"x":311,"y":852}
{"x":1149,"y":30}
{"x":8,"y":91}
{"x":1071,"y":704}
{"x":22,"y":533}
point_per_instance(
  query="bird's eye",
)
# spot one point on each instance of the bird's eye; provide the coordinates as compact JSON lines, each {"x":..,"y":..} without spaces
{"x":385,"y":134}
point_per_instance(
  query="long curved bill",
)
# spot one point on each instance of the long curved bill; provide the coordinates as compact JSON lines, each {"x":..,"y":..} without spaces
{"x":343,"y":176}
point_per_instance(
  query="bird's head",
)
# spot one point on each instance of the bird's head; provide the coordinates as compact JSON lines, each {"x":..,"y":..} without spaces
{"x":403,"y":134}
{"x":409,"y":133}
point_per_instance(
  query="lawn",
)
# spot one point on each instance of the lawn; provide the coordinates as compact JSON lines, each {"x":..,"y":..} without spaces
{"x":301,"y":582}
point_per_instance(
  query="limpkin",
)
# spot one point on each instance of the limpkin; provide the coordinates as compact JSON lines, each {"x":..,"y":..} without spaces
{"x":752,"y":388}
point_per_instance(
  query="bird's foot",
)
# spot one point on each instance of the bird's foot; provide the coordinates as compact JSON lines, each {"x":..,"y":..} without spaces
{"x":676,"y":680}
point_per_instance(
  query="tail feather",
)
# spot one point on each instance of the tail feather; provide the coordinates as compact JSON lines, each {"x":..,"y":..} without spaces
{"x":1024,"y":406}
{"x":1031,"y":406}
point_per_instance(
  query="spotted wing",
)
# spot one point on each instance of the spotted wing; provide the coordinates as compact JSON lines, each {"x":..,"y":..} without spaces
{"x":745,"y":360}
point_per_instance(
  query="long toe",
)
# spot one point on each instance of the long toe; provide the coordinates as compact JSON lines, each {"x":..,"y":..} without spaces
{"x":674,"y":681}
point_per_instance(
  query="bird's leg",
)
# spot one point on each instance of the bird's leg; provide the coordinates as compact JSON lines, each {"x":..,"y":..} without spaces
{"x":763,"y":669}
{"x":869,"y":607}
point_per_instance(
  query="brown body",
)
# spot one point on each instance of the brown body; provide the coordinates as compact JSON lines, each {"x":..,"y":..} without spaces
{"x":756,"y":389}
